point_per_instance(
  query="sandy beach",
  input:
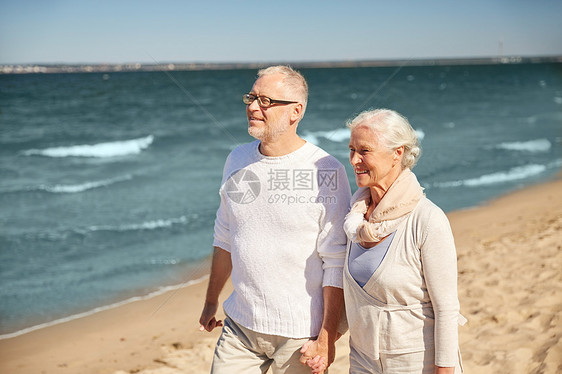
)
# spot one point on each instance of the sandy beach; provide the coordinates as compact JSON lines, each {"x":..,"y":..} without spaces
{"x":510,"y":288}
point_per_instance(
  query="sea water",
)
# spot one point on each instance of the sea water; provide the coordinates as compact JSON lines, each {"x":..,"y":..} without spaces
{"x":109,"y":182}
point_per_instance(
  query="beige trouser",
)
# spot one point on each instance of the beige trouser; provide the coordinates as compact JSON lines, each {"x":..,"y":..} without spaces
{"x":405,"y":363}
{"x":244,"y":351}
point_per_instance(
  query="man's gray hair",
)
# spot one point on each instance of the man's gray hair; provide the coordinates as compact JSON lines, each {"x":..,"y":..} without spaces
{"x":293,"y":80}
{"x":393,"y":130}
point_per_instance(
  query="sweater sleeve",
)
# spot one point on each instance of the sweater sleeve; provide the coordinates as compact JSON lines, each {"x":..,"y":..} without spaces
{"x":221,"y":237}
{"x":439,"y":262}
{"x":332,"y":239}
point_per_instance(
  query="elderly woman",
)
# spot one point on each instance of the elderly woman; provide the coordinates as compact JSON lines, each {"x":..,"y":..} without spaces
{"x":400,"y":278}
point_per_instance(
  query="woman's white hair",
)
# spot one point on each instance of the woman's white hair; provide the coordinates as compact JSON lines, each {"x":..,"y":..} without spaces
{"x":393,"y":130}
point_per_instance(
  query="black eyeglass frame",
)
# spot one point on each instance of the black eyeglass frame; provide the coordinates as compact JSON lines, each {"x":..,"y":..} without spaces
{"x":247,"y":99}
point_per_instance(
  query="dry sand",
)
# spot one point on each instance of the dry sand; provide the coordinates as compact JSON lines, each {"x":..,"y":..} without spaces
{"x":510,"y":288}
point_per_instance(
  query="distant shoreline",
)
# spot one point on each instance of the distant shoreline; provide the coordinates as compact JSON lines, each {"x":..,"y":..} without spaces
{"x":175,"y":66}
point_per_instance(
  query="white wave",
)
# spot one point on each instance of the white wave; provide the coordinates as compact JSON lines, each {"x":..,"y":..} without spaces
{"x":556,"y":164}
{"x":149,"y":225}
{"x":164,"y":261}
{"x":538,"y":145}
{"x":517,"y":173}
{"x":311,"y":138}
{"x":74,"y":188}
{"x":161,"y":291}
{"x":338,"y":135}
{"x":109,"y":149}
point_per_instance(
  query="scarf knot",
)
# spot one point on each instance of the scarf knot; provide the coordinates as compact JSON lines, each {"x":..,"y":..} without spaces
{"x":395,"y":206}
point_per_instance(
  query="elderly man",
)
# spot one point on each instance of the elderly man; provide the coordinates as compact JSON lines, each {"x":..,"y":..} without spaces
{"x":279,"y":235}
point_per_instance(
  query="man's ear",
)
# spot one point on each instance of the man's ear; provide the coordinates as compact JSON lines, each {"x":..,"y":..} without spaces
{"x":296,"y":113}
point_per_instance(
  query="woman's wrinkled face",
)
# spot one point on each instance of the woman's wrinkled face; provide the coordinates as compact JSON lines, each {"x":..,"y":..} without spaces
{"x":374,"y":164}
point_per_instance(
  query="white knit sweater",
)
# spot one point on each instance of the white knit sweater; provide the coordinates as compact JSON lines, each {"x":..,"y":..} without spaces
{"x":281,"y":219}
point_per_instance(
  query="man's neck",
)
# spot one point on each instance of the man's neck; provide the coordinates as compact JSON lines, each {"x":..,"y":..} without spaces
{"x":281,"y":146}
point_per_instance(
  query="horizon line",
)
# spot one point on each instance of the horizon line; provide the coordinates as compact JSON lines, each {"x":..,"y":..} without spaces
{"x":102,"y":67}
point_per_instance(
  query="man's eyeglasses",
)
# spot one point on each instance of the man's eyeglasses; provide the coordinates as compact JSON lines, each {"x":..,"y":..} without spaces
{"x":263,"y":101}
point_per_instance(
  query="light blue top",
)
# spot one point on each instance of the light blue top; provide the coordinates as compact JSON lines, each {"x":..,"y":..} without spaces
{"x":363,"y":262}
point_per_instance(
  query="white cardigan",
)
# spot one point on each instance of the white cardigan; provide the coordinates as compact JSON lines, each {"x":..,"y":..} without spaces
{"x":411,"y":300}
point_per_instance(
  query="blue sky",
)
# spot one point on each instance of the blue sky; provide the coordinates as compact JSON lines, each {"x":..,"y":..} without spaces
{"x":122,"y":31}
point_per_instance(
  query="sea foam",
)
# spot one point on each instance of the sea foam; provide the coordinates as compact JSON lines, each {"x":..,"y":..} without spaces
{"x":148,"y":225}
{"x":337,"y":135}
{"x":538,"y":145}
{"x":162,"y":290}
{"x":109,"y":149}
{"x":516,"y":173}
{"x":75,"y":188}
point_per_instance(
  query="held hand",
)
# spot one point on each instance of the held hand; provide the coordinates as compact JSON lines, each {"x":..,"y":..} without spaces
{"x":317,"y":365}
{"x":208,"y":321}
{"x":316,"y":356}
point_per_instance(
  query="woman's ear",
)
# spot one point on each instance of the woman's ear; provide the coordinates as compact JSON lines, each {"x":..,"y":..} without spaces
{"x":398,"y":153}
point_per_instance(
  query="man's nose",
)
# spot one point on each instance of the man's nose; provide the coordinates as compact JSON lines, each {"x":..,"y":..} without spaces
{"x":254,"y":105}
